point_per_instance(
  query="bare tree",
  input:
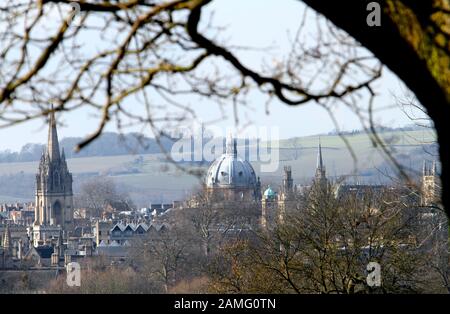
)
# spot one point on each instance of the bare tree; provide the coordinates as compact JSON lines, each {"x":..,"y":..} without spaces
{"x":214,"y":220}
{"x":99,"y":277}
{"x":324,"y":245}
{"x":164,"y":257}
{"x":43,"y":62}
{"x":97,"y":193}
{"x":136,"y":65}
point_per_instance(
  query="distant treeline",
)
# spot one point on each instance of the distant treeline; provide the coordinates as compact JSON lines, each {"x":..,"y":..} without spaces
{"x":108,"y":144}
{"x":113,"y":144}
{"x":381,"y":129}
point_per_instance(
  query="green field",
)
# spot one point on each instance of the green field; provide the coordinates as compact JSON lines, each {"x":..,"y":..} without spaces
{"x":156,"y":180}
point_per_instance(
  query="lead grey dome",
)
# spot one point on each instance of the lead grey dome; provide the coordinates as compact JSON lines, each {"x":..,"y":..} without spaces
{"x":231,"y":171}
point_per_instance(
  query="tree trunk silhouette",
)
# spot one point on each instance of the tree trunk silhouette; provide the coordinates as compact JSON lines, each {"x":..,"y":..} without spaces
{"x":412,"y":43}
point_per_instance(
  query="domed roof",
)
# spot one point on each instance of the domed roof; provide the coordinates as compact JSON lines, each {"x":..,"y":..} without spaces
{"x":269,"y":193}
{"x":230,"y":171}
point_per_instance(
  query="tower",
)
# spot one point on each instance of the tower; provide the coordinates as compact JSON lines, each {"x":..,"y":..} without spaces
{"x":430,"y":184}
{"x":320,"y":177}
{"x":268,"y":207}
{"x":286,"y":195}
{"x":288,"y":183}
{"x":54,"y":197}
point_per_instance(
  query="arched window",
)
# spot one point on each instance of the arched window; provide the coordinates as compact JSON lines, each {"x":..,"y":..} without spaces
{"x":57,"y":213}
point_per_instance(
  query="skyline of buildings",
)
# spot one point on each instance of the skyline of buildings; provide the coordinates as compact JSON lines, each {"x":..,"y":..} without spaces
{"x":56,"y":238}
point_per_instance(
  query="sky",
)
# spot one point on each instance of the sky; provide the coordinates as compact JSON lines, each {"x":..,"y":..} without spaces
{"x":258,"y":24}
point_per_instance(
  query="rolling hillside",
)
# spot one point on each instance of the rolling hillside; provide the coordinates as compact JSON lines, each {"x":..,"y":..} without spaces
{"x":148,"y":178}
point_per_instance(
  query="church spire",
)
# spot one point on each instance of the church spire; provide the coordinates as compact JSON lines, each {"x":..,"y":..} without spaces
{"x":319,"y":158}
{"x":53,"y":144}
{"x":320,"y":168}
{"x":54,"y":195}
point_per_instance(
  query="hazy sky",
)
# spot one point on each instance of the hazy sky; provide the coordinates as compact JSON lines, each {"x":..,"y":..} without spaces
{"x":269,"y":26}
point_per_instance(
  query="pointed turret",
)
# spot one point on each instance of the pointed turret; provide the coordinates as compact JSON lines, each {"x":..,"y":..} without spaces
{"x":7,"y":245}
{"x":53,"y":144}
{"x":63,"y":158}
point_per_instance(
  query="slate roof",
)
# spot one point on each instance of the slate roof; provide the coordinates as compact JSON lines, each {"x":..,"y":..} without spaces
{"x":44,"y":251}
{"x":134,"y":227}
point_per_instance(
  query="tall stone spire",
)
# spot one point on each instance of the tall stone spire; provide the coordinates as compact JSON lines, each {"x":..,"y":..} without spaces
{"x":320,"y":168}
{"x":54,"y":196}
{"x":319,"y":158}
{"x":53,"y":144}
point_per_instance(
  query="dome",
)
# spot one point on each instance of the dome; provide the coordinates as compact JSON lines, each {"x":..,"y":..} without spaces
{"x":230,"y":171}
{"x":269,"y":193}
